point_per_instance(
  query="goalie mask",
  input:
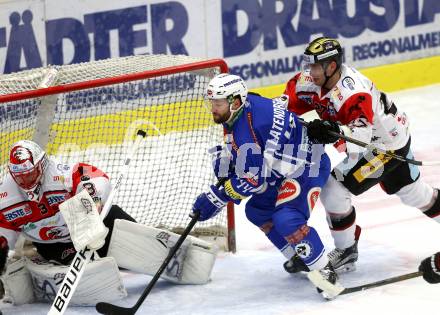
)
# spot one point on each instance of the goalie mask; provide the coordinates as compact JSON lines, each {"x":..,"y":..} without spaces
{"x":229,"y":87}
{"x":27,"y":162}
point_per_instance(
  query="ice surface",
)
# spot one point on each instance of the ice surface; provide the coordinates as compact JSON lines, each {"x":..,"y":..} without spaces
{"x":395,"y":238}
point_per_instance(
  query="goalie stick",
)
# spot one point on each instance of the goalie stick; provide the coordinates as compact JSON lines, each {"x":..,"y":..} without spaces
{"x":111,"y":309}
{"x":377,"y":150}
{"x":82,"y":257}
{"x":333,"y":291}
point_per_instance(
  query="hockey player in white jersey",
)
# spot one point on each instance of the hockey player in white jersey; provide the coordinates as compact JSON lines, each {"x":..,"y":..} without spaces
{"x":30,"y":197}
{"x":349,"y":103}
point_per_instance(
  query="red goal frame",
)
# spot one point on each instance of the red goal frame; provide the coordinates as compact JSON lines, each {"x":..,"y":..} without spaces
{"x":70,"y":87}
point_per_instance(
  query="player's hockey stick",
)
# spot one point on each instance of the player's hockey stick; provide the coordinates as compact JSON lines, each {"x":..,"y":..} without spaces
{"x":377,"y":150}
{"x":111,"y":309}
{"x":381,"y":282}
{"x":333,"y":291}
{"x":82,"y":257}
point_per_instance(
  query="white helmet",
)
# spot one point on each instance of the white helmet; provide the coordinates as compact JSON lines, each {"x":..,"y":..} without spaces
{"x":227,"y":86}
{"x":27,"y":163}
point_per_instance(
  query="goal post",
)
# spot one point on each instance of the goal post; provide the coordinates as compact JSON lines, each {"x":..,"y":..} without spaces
{"x":89,"y":112}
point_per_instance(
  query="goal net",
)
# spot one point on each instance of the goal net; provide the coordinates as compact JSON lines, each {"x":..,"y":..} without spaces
{"x":90,"y":113}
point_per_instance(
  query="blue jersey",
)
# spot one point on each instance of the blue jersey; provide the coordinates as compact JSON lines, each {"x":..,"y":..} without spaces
{"x":268,"y":143}
{"x":283,"y":171}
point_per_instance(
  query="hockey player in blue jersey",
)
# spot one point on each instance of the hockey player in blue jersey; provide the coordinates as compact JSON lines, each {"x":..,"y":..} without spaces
{"x":269,"y":158}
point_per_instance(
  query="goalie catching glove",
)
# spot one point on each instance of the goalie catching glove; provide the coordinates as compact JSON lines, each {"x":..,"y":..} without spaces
{"x":430,"y":267}
{"x":318,"y":131}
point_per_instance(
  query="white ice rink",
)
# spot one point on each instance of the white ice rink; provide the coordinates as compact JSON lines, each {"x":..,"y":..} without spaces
{"x":395,"y":238}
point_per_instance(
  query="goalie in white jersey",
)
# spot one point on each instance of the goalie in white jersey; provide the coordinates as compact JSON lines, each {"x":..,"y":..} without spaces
{"x":348,"y":102}
{"x":30,"y":198}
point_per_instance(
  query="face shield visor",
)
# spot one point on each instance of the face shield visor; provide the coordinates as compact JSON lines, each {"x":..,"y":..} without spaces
{"x":211,"y":102}
{"x":26,"y":175}
{"x":307,"y":61}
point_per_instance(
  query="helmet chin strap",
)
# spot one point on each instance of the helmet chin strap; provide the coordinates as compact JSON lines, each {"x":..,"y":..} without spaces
{"x":327,"y":77}
{"x":234,"y":114}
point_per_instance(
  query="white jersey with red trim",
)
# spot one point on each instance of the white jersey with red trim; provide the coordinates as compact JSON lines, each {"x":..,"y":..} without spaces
{"x":38,"y":217}
{"x":354,"y":102}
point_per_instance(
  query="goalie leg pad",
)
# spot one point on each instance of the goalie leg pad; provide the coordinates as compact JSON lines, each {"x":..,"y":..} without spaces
{"x":17,"y":283}
{"x":100,"y":282}
{"x":143,"y":249}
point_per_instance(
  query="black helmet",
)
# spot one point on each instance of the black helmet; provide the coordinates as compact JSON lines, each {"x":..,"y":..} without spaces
{"x":324,"y":49}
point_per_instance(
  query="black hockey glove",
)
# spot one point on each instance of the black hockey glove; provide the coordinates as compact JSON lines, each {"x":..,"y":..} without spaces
{"x":3,"y":253}
{"x":430,"y":267}
{"x":318,"y":131}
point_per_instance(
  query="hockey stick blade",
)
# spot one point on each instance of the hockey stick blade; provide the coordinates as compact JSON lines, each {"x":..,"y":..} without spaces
{"x":111,"y":309}
{"x":381,"y":282}
{"x":333,"y":291}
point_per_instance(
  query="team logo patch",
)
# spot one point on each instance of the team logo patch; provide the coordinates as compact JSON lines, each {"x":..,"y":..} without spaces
{"x":306,"y":98}
{"x":67,"y":252}
{"x":63,"y":167}
{"x":52,"y":233}
{"x":348,"y":83}
{"x":337,"y":93}
{"x":21,"y":154}
{"x":163,"y":238}
{"x":304,"y":249}
{"x":312,"y":197}
{"x":17,"y":213}
{"x":54,"y":198}
{"x":85,"y":178}
{"x":87,"y":205}
{"x":289,"y":190}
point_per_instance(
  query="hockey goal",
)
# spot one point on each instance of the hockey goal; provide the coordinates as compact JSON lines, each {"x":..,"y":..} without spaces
{"x":90,"y":112}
